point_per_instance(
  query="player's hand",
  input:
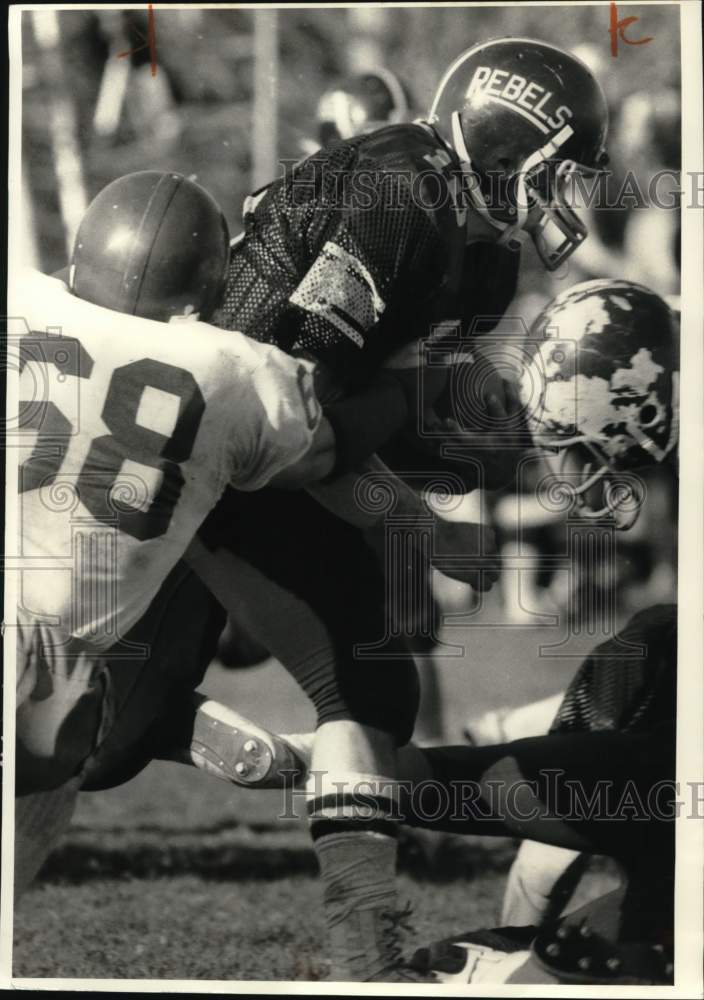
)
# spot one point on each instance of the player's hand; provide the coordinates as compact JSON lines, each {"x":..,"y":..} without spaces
{"x":467,"y":552}
{"x":498,"y":438}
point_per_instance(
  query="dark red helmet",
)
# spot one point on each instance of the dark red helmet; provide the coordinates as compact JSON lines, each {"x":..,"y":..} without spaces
{"x":522,"y":115}
{"x":153,"y":244}
{"x":361,"y":104}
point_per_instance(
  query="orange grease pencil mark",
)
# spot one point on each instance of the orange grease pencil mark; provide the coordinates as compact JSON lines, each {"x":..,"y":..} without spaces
{"x":149,"y":41}
{"x":617,"y":30}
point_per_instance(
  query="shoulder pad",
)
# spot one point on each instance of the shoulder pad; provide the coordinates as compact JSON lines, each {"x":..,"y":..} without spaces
{"x":406,"y":147}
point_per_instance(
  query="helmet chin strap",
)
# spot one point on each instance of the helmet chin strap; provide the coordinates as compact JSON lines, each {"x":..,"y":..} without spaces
{"x":475,"y":194}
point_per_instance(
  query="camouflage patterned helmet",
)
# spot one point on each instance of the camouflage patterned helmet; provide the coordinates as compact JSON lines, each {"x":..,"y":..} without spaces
{"x":602,"y":384}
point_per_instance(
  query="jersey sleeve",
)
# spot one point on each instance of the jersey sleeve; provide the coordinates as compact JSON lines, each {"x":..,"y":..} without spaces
{"x":376,"y":263}
{"x":274,"y":423}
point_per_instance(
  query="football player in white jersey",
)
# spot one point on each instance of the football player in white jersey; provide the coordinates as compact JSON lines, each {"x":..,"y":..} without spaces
{"x":140,"y":434}
{"x":126,"y":436}
{"x":129,"y":429}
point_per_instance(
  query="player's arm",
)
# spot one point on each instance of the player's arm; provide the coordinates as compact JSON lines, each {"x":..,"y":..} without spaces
{"x":479,"y":420}
{"x":281,"y":436}
{"x":354,"y":427}
{"x":377,"y":261}
{"x":463,"y":550}
{"x":316,"y":464}
{"x":343,"y":496}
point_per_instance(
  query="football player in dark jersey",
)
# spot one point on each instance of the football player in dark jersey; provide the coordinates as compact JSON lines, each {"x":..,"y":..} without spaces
{"x":371,"y":244}
{"x":353,"y":106}
{"x":616,"y":723}
{"x":601,"y":392}
{"x":602,"y":781}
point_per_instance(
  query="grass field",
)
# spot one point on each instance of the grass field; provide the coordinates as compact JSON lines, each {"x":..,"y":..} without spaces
{"x":178,"y":876}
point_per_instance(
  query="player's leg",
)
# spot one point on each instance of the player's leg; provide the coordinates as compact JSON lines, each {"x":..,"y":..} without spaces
{"x":605,"y":793}
{"x":178,"y":637}
{"x":40,"y":821}
{"x":536,"y":886}
{"x":494,"y":785}
{"x":82,"y":710}
{"x":159,"y":714}
{"x":357,"y":854}
{"x":64,"y":707}
{"x":505,"y":725}
{"x":305,"y":585}
{"x":84,"y":720}
{"x":608,"y":793}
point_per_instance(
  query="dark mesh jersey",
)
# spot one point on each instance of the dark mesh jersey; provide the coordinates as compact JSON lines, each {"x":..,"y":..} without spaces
{"x":358,"y":250}
{"x":613,"y":691}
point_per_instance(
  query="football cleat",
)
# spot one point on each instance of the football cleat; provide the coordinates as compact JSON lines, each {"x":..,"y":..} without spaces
{"x":232,"y":748}
{"x":476,"y":957}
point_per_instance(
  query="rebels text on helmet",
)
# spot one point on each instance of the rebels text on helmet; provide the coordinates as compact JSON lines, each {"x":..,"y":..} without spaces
{"x":526,"y":97}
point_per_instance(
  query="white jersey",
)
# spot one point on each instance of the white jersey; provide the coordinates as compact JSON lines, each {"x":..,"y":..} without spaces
{"x":129,"y":431}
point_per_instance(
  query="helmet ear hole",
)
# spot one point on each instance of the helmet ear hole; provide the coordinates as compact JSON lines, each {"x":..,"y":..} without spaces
{"x":648,"y":415}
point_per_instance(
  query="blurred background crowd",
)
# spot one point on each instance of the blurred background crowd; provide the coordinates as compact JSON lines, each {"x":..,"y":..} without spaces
{"x":225,"y":95}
